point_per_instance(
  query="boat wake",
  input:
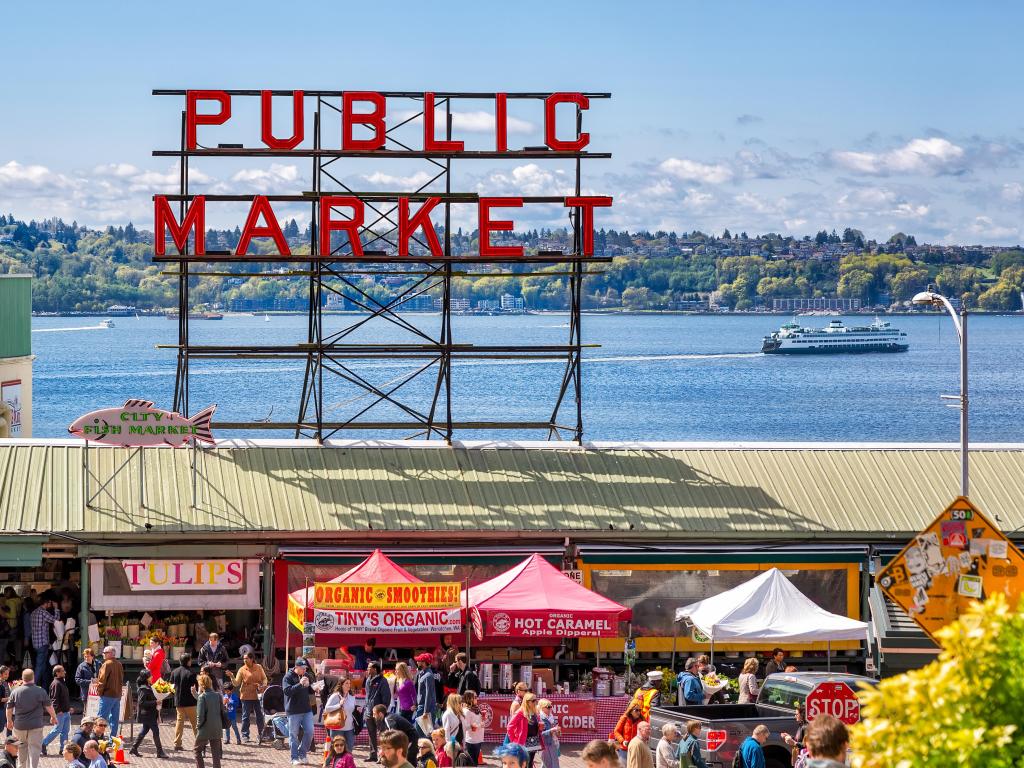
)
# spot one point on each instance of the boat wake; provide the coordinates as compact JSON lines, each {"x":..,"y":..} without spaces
{"x":79,"y":328}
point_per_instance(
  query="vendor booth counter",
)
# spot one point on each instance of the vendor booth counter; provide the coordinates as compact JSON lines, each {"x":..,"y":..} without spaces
{"x":581,"y":716}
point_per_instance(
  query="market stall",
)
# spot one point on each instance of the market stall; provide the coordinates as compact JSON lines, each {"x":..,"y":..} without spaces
{"x":180,"y":601}
{"x":376,"y":598}
{"x":532,"y":602}
{"x":767,"y":609}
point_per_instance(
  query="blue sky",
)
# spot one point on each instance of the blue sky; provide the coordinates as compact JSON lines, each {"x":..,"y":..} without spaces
{"x":784,"y":116}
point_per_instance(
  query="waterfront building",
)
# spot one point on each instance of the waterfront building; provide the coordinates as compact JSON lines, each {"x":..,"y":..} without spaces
{"x":16,"y":355}
{"x":651,"y":526}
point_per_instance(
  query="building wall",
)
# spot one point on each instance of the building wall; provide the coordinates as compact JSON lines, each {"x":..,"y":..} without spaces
{"x":16,"y":349}
{"x":16,"y":391}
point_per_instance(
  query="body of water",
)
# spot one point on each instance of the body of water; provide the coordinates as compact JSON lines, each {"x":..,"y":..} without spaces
{"x":653,"y":377}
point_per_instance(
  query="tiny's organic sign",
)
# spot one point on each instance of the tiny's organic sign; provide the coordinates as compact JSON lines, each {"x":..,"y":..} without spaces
{"x":137,"y":424}
{"x":960,"y":558}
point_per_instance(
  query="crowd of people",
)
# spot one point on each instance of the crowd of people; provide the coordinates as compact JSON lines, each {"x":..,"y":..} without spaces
{"x":825,"y":745}
{"x":427,"y":716}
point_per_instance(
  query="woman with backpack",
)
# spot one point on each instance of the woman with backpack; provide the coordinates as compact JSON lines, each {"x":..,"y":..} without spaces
{"x":689,"y":747}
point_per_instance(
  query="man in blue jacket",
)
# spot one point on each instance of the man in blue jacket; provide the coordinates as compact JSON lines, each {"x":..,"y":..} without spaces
{"x":751,"y":748}
{"x":296,"y":684}
{"x":693,"y":688}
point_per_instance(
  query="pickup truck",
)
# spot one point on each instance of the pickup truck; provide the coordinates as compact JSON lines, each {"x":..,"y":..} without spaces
{"x":725,"y":726}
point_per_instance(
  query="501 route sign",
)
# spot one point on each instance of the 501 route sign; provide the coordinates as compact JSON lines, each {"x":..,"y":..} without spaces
{"x":836,"y":699}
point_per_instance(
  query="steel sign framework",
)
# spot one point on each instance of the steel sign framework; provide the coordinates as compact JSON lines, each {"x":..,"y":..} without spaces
{"x":335,"y":356}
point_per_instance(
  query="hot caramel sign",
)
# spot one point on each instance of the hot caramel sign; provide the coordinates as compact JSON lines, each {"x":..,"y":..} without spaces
{"x":960,"y":558}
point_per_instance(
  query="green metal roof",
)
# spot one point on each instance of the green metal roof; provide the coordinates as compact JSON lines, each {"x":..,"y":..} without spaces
{"x":700,"y":492}
{"x":15,"y":315}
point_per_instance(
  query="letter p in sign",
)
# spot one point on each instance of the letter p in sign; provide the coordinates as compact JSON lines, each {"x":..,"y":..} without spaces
{"x":836,"y":699}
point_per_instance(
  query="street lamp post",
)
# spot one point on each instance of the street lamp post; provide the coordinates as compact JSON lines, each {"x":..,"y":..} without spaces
{"x":934,"y":299}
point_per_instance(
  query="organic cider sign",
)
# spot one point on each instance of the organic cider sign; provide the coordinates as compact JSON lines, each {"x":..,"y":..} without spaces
{"x":957,"y":560}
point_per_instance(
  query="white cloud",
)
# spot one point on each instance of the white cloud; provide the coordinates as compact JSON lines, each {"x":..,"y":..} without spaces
{"x":691,"y":170}
{"x":930,"y":157}
{"x":278,"y":177}
{"x":15,"y":176}
{"x":383,"y":180}
{"x":467,"y":122}
{"x":530,"y":180}
{"x":871,"y":202}
{"x":1012,"y":192}
{"x":984,"y":227}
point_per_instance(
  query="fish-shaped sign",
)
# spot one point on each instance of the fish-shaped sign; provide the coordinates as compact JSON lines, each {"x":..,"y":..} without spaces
{"x":138,"y":424}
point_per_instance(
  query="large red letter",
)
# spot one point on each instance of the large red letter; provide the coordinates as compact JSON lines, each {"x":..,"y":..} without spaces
{"x":374,"y":119}
{"x":261,"y":207}
{"x":407,"y":226}
{"x":192,"y":119}
{"x":487,"y":226}
{"x":267,"y":121}
{"x":588,"y":204}
{"x":327,"y":225}
{"x":550,"y":132}
{"x":195,"y":220}
{"x":501,"y":122}
{"x":431,"y":144}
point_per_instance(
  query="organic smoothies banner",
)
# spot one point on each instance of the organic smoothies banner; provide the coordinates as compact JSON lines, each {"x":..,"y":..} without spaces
{"x":387,"y":608}
{"x":438,"y":594}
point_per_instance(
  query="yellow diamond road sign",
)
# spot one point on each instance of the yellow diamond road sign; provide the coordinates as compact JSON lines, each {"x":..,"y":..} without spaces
{"x":957,"y":560}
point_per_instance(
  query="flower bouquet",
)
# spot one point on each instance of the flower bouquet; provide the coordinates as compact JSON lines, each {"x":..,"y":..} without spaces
{"x":713,"y":683}
{"x":162,"y":689}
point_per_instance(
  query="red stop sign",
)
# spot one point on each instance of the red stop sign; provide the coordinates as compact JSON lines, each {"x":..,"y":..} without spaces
{"x":836,"y":699}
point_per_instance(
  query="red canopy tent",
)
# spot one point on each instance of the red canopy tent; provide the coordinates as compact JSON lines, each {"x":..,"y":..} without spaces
{"x":536,"y":600}
{"x":377,"y":568}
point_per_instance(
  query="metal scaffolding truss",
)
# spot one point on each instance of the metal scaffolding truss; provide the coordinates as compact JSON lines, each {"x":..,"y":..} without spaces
{"x":333,"y":358}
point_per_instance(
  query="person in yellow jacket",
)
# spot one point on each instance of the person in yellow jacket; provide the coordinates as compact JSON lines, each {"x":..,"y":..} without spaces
{"x":649,"y":694}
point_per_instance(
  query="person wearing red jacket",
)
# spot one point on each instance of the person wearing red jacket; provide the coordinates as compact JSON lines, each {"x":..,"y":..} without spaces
{"x":156,"y":659}
{"x":625,"y":730}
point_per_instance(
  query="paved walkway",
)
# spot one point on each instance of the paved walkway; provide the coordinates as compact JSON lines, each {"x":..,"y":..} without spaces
{"x":250,"y":755}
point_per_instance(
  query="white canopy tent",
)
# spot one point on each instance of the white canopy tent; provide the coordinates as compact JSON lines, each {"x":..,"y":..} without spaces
{"x":768,"y":608}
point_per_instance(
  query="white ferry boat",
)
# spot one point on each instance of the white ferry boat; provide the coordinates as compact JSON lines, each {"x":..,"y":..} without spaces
{"x":793,"y":339}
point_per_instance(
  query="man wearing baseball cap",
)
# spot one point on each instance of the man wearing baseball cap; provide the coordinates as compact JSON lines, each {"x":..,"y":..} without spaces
{"x":9,"y":757}
{"x":296,"y":684}
{"x":109,"y":683}
{"x":82,"y":735}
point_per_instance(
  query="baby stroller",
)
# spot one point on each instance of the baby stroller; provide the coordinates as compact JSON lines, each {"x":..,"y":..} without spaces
{"x":272,"y":702}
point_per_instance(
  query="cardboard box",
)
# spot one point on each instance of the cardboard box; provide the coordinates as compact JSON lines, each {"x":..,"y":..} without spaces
{"x":320,"y":653}
{"x":500,"y":654}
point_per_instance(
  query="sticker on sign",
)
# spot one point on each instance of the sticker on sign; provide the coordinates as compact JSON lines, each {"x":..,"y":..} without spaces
{"x":836,"y":699}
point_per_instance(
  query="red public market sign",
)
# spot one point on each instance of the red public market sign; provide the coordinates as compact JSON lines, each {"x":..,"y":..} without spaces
{"x":368,"y":109}
{"x":833,"y":698}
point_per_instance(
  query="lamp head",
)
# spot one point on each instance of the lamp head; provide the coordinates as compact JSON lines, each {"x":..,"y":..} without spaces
{"x":928,"y":297}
